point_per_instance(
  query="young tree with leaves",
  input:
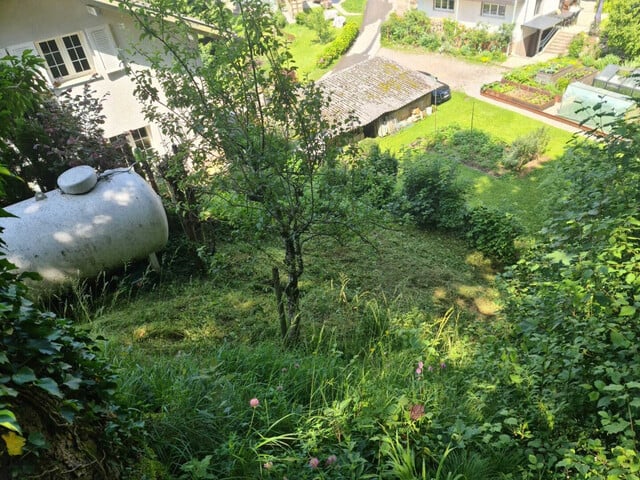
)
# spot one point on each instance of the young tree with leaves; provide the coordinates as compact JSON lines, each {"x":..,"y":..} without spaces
{"x":249,"y":127}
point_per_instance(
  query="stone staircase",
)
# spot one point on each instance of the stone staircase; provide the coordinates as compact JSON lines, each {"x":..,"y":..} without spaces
{"x":559,"y":44}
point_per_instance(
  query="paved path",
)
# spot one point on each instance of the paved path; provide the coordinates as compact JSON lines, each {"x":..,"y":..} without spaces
{"x":458,"y":74}
{"x":368,"y":41}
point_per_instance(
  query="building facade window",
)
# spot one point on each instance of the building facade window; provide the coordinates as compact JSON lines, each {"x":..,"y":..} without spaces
{"x":493,"y":10}
{"x":536,"y":10}
{"x":66,"y":57}
{"x":448,"y":5}
{"x":136,"y":139}
{"x":141,"y":139}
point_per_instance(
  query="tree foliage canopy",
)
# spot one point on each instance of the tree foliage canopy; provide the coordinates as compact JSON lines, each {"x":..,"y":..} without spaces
{"x":621,"y":29}
{"x":244,"y":123}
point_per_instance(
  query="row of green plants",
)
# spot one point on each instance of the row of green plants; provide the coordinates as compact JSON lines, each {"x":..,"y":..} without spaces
{"x":527,"y":75}
{"x":416,"y":29}
{"x":340,"y":45}
{"x":515,"y":92}
{"x":480,"y":150}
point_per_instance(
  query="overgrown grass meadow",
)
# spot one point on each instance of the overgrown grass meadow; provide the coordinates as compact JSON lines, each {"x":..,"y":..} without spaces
{"x":399,"y":335}
{"x":192,"y":354}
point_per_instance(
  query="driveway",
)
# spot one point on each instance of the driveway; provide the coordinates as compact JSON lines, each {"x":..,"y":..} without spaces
{"x":460,"y":75}
{"x":368,"y":41}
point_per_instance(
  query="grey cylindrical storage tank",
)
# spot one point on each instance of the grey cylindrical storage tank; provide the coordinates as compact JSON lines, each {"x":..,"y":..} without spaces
{"x":92,"y":223}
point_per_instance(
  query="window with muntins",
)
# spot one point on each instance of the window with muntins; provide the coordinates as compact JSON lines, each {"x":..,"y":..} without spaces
{"x":141,"y":139}
{"x":66,"y":56}
{"x":448,"y":5}
{"x":493,"y":10}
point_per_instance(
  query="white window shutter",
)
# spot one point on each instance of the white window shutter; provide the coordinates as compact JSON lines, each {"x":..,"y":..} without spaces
{"x":105,"y":48}
{"x":17,"y":50}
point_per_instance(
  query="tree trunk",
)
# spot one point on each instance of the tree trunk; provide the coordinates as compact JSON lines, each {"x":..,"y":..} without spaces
{"x":293,"y":262}
{"x":173,"y":173}
{"x":277,"y":288}
{"x":292,"y":291}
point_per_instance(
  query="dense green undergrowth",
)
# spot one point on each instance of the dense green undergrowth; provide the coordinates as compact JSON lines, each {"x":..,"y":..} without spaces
{"x":417,"y":30}
{"x":408,"y":369}
{"x":416,"y":359}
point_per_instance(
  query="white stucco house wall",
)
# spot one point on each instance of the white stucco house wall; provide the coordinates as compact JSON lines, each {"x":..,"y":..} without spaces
{"x":84,"y":41}
{"x":532,"y":19}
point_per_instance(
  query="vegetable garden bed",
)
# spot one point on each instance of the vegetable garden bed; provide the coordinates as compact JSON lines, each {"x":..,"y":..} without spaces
{"x":519,"y":94}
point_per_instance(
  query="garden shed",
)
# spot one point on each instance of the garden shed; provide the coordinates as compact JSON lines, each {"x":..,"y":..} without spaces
{"x":613,"y":79}
{"x":378,"y":96}
{"x":593,"y":106}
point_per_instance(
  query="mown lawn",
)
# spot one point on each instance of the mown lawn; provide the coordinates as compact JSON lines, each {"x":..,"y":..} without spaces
{"x":305,"y":50}
{"x":517,"y":194}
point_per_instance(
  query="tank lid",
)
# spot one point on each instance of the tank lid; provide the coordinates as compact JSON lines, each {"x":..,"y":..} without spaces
{"x":78,"y":180}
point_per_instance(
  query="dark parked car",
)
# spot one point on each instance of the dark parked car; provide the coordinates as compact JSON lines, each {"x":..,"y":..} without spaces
{"x":442,"y":93}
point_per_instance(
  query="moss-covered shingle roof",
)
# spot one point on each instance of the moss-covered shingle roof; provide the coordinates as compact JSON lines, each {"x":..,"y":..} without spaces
{"x":372,"y":88}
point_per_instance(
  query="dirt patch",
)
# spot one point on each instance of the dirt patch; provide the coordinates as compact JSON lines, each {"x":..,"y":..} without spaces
{"x":533,"y":165}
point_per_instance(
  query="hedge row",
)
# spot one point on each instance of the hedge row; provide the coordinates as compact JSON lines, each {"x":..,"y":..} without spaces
{"x":340,"y":45}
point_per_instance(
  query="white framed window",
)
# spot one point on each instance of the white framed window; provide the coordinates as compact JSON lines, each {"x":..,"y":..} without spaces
{"x":536,"y":10}
{"x":493,"y":10}
{"x":448,"y":5}
{"x":136,"y":139}
{"x":66,"y":57}
{"x":141,"y":139}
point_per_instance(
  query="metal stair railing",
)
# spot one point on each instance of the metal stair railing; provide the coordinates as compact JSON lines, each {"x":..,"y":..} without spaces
{"x":547,"y":38}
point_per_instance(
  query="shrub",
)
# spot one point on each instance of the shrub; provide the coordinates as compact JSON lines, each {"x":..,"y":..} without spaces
{"x":281,"y":19}
{"x":471,"y":147}
{"x":477,"y":148}
{"x":314,"y":19}
{"x":53,"y":388}
{"x":374,"y":175}
{"x":562,"y":84}
{"x":415,"y":29}
{"x":576,"y":45}
{"x":610,"y":58}
{"x":493,"y":233}
{"x":434,"y":196}
{"x":406,"y":29}
{"x":526,"y":148}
